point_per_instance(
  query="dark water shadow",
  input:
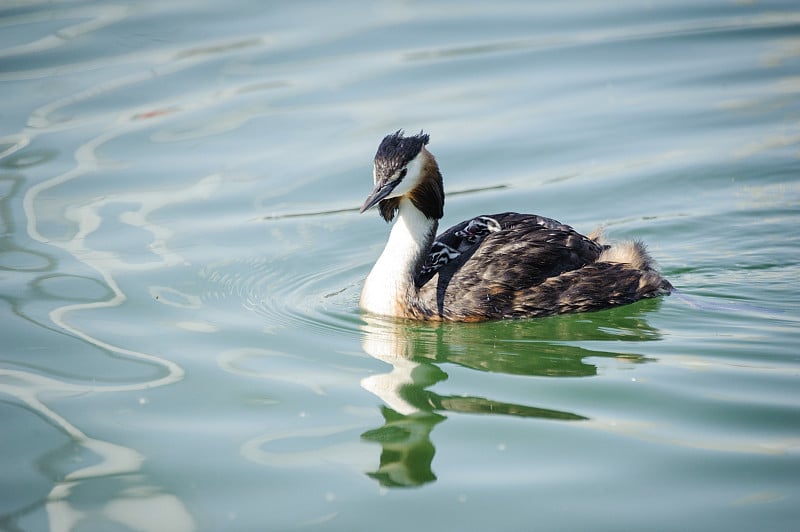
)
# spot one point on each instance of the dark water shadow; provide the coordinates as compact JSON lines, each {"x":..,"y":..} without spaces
{"x":538,"y":348}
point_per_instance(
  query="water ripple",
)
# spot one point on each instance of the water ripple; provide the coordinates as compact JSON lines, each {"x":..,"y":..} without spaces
{"x":645,"y":32}
{"x":98,"y":16}
{"x":285,"y":295}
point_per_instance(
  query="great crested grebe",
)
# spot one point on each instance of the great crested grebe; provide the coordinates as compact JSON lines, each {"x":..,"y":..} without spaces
{"x":494,"y":266}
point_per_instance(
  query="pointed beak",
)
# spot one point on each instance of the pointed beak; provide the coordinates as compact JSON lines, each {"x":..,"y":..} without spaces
{"x":380,"y":192}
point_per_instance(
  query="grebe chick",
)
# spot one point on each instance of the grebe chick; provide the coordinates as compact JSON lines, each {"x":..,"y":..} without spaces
{"x":494,"y":266}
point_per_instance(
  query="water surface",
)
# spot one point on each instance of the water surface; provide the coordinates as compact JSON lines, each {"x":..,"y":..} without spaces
{"x":181,"y":258}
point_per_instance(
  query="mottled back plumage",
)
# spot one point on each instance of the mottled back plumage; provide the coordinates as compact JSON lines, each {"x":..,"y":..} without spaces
{"x":530,"y":266}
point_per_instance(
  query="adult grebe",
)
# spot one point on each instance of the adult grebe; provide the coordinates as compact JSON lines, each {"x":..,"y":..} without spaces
{"x":495,"y":266}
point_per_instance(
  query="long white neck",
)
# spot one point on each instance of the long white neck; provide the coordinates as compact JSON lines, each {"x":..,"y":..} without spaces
{"x":390,"y":284}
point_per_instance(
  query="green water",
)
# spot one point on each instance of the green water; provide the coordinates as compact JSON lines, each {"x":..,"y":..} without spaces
{"x":181,"y":259}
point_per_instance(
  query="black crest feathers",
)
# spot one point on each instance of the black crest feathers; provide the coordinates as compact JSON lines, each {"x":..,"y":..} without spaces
{"x":396,"y":151}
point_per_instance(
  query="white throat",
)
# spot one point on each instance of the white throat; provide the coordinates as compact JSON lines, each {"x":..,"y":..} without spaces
{"x":390,"y":284}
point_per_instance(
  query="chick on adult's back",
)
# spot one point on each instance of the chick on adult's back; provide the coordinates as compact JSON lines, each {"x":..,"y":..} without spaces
{"x":493,"y":266}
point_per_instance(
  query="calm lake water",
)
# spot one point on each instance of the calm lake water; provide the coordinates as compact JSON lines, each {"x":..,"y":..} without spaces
{"x":181,"y":258}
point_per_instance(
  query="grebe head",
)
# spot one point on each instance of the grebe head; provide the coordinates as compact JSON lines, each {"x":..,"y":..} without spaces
{"x":403,"y":167}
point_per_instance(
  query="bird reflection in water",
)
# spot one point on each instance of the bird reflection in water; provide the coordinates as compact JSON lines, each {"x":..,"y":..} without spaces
{"x":543,"y":348}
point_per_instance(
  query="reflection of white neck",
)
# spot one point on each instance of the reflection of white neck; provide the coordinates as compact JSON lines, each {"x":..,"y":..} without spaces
{"x":385,"y":341}
{"x":390,"y":284}
{"x":388,"y":386}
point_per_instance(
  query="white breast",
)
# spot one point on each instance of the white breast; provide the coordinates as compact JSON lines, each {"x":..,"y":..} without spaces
{"x":391,"y":280}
